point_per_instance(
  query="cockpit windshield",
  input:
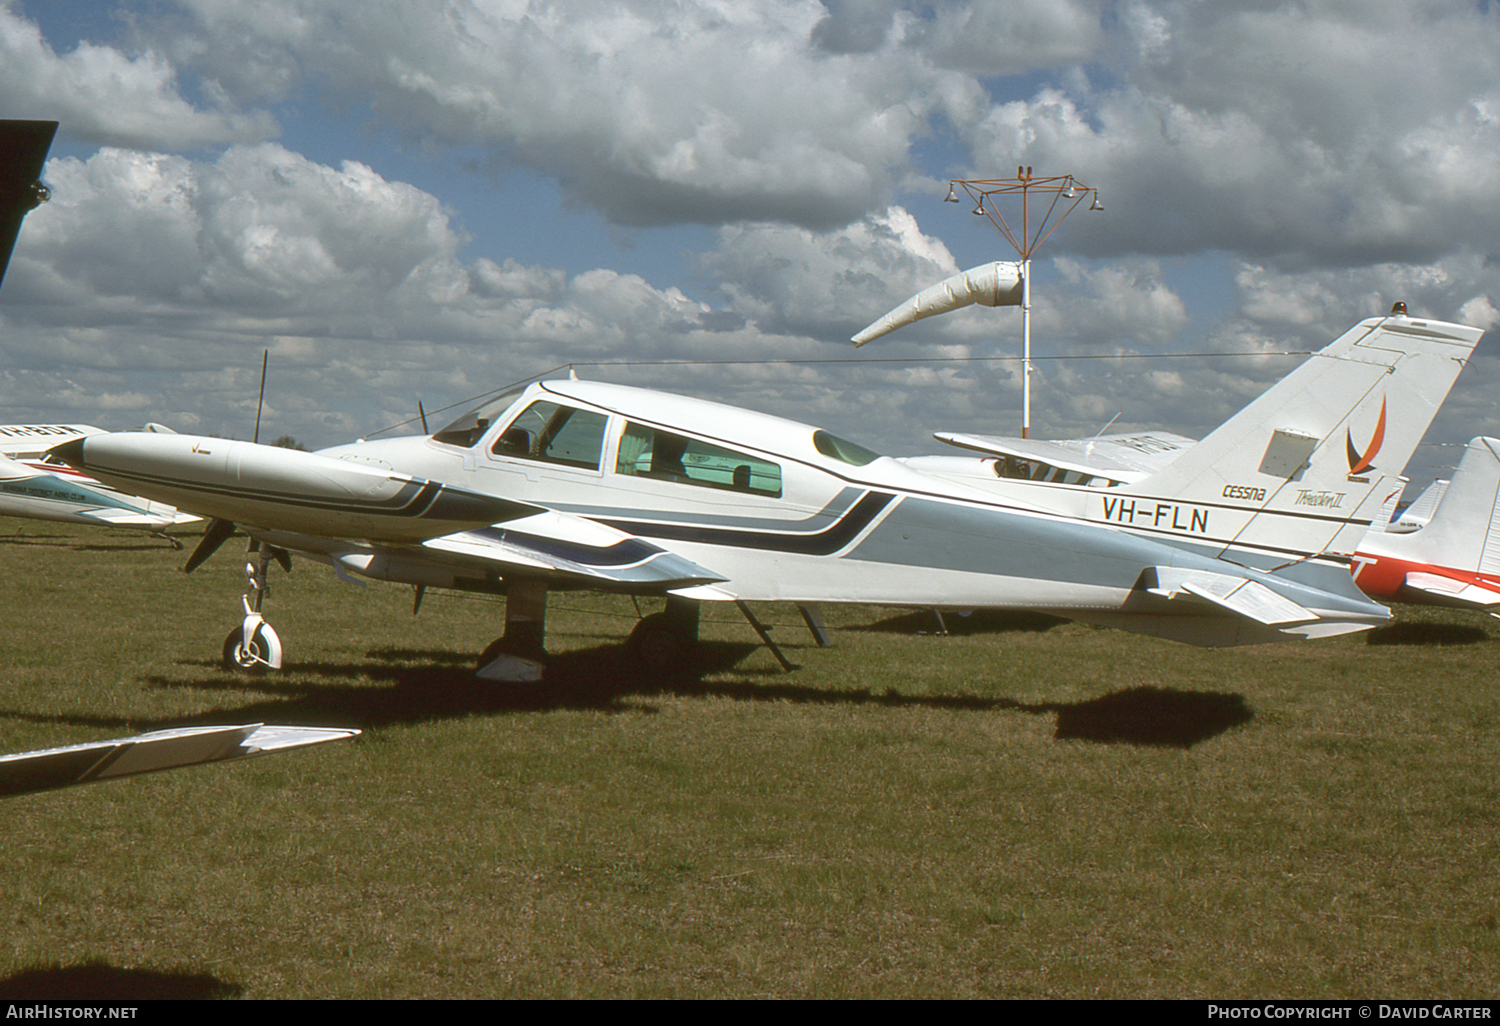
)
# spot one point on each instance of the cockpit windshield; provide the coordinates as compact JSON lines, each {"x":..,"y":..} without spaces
{"x":469,"y":428}
{"x":843,"y":450}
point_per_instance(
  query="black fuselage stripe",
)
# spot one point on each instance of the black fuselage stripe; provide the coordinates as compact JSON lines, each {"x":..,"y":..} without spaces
{"x":824,"y":543}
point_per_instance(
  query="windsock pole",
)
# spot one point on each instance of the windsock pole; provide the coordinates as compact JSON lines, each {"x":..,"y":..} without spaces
{"x":1025,"y":348}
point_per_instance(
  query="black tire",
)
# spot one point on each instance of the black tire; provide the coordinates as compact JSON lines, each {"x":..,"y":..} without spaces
{"x":662,"y":648}
{"x":235,"y":660}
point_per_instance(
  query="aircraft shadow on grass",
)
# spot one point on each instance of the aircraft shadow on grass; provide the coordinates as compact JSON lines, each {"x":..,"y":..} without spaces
{"x":99,"y":981}
{"x":978,"y":621}
{"x":395,"y":687}
{"x":1409,"y":633}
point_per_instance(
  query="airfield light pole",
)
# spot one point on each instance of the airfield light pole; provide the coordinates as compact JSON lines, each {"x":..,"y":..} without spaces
{"x":1062,"y":194}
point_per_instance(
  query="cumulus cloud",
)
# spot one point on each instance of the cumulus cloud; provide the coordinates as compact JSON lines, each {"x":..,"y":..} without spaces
{"x":107,"y":95}
{"x":1334,"y":156}
{"x":1332,"y":133}
{"x":655,"y":113}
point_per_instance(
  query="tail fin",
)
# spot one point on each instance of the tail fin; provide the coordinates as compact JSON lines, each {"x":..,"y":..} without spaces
{"x":23,"y":149}
{"x":1464,"y":532}
{"x":1300,"y":470}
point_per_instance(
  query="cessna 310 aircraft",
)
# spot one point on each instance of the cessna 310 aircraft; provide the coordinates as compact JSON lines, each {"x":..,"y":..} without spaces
{"x":1243,"y":538}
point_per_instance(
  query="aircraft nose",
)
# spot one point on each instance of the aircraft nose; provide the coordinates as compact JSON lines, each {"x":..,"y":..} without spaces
{"x":70,"y":453}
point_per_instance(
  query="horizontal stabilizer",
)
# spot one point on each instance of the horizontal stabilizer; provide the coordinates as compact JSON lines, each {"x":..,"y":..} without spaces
{"x":1117,"y":457}
{"x":134,"y":518}
{"x":51,"y":768}
{"x":1249,"y":599}
{"x":994,"y":284}
{"x":1447,"y":591}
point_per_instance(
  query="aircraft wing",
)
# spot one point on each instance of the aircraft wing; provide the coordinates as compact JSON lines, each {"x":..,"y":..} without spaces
{"x":1449,"y":591}
{"x":23,"y":150}
{"x":1125,"y":458}
{"x":51,"y":768}
{"x":562,"y":550}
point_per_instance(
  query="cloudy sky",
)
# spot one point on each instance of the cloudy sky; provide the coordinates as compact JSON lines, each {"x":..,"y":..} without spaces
{"x":409,"y":201}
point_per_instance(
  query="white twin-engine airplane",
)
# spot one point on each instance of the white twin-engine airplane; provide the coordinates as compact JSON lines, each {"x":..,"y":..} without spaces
{"x":1243,"y":538}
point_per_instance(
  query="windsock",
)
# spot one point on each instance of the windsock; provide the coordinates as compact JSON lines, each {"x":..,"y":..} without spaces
{"x":996,"y":284}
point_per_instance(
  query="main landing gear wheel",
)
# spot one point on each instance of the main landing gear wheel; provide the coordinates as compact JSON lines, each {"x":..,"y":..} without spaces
{"x":515,"y":660}
{"x":664,"y":647}
{"x":261,"y":653}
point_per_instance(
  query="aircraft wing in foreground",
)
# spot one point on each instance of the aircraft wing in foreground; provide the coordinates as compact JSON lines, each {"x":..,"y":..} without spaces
{"x":23,"y":150}
{"x":52,"y":768}
{"x":575,"y":484}
{"x":1453,"y":559}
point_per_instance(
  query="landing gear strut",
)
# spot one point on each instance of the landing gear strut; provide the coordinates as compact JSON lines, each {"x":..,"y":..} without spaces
{"x":519,"y":655}
{"x":253,"y":645}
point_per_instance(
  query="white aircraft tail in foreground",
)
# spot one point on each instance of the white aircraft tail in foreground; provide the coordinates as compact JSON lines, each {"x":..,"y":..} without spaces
{"x":52,"y":768}
{"x":1301,"y":471}
{"x":1452,"y":560}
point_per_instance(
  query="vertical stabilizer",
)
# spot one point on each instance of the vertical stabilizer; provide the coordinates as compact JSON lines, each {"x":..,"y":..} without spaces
{"x":1305,"y":468}
{"x":1464,"y":532}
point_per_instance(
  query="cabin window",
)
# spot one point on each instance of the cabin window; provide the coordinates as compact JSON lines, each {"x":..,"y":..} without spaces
{"x":843,"y":450}
{"x":664,"y":456}
{"x":554,"y":434}
{"x":470,"y":427}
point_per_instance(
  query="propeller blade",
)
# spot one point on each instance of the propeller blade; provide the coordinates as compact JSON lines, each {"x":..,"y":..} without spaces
{"x":217,"y":533}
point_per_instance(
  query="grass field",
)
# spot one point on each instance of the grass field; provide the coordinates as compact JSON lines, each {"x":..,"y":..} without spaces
{"x":1019,"y":809}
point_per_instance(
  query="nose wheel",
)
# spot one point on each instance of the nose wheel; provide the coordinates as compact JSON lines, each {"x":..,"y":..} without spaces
{"x":260,"y":653}
{"x":254,"y":646}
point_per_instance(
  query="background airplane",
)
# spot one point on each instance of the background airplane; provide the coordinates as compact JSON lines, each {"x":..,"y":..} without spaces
{"x":639,"y":491}
{"x":1451,"y":559}
{"x":37,"y":487}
